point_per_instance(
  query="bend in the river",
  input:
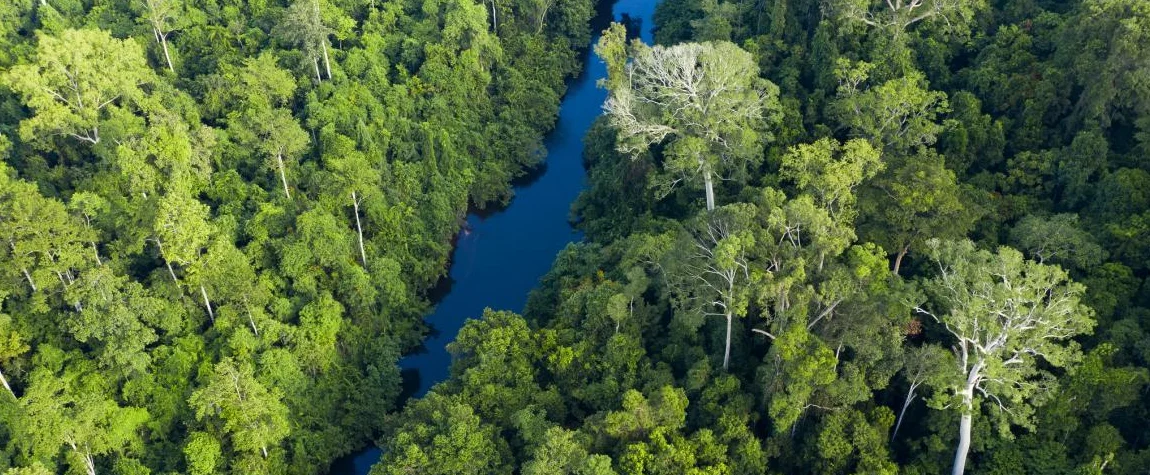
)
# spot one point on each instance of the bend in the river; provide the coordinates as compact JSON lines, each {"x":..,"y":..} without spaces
{"x":501,"y":256}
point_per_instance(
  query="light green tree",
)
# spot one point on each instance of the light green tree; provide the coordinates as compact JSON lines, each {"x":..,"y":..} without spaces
{"x":77,"y":81}
{"x":12,"y":345}
{"x":445,"y":436}
{"x":275,"y":133}
{"x":39,"y":240}
{"x":1005,"y":314}
{"x":36,"y":468}
{"x":896,"y":116}
{"x":561,"y":453}
{"x":254,"y":416}
{"x":67,"y":406}
{"x":916,"y":199}
{"x":181,"y":230}
{"x":113,"y":317}
{"x":1058,"y":239}
{"x":202,"y":452}
{"x":829,"y":173}
{"x":922,"y":365}
{"x":226,"y":274}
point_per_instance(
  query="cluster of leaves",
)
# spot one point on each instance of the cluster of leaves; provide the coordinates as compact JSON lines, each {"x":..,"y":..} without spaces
{"x":876,"y":237}
{"x":220,"y":218}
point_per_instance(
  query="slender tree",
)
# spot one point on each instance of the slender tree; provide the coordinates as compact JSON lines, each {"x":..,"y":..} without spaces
{"x":275,"y":132}
{"x":921,"y":365}
{"x":163,"y":17}
{"x":69,"y":408}
{"x":11,"y":346}
{"x":710,"y":272}
{"x":303,"y":25}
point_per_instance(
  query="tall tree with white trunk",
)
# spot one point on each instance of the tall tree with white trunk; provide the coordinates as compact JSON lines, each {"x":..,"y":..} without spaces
{"x":709,"y":271}
{"x":304,"y":26}
{"x":275,"y":133}
{"x":253,"y":415}
{"x":1004,"y":314}
{"x":163,"y":16}
{"x":704,"y":101}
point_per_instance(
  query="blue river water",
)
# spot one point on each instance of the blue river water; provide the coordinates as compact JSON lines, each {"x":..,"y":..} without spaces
{"x":502,"y":255}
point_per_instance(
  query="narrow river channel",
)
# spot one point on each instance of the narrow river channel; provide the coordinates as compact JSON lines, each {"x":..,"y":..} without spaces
{"x":502,"y":255}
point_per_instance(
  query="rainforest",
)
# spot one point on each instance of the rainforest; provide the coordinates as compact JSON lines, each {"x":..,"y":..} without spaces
{"x":584,"y":237}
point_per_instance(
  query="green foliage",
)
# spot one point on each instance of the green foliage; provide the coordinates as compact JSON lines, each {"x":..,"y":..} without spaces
{"x":80,"y":80}
{"x":894,"y":18}
{"x":814,"y":169}
{"x":1004,"y":313}
{"x":853,"y":442}
{"x":898,"y":115}
{"x":444,"y":436}
{"x":251,"y":414}
{"x":226,"y":215}
{"x":1057,"y":239}
{"x":916,"y":199}
{"x":219,"y":221}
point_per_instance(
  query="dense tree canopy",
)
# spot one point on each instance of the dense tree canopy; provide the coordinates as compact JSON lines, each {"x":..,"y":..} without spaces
{"x":220,"y":220}
{"x":926,"y":251}
{"x":922,"y":243}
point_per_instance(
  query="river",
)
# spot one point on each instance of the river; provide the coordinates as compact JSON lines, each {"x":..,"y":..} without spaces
{"x":502,"y":255}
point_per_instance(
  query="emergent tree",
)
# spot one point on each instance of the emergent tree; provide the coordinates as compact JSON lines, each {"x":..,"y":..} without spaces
{"x":705,"y":101}
{"x":1004,"y":313}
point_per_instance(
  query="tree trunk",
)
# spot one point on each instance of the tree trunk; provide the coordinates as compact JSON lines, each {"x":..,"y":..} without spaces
{"x":96,"y":252}
{"x":207,"y":303}
{"x":326,"y":62}
{"x":264,"y":449}
{"x":29,"y":277}
{"x":963,"y":431}
{"x":727,"y":351}
{"x":359,"y":229}
{"x":315,"y":64}
{"x":4,"y":381}
{"x":909,"y":399}
{"x":89,"y":463}
{"x":494,"y":20}
{"x":708,"y":182}
{"x":543,"y":17}
{"x":283,"y":175}
{"x":898,"y":260}
{"x":252,"y":321}
{"x":167,"y":56}
{"x":171,"y":272}
{"x":167,"y":263}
